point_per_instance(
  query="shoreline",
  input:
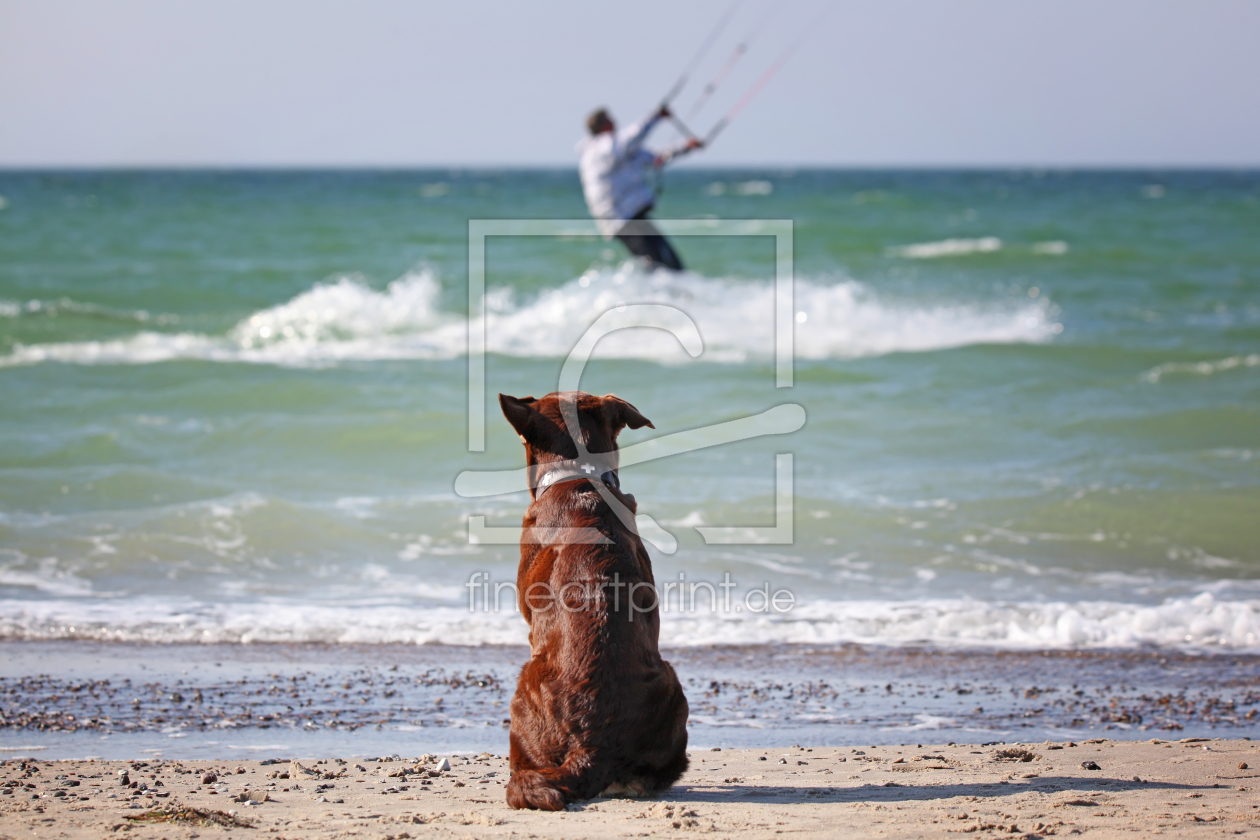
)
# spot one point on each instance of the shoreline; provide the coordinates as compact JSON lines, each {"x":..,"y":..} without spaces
{"x":61,"y":700}
{"x":1029,"y":790}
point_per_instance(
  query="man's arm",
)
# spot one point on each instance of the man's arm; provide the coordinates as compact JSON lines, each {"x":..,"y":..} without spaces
{"x":690,"y":145}
{"x":633,"y":137}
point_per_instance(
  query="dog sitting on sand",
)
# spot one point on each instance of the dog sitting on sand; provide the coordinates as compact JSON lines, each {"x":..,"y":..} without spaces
{"x":596,"y":711}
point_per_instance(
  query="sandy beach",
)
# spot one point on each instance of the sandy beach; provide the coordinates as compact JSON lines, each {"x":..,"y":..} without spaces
{"x":247,"y":588}
{"x":1100,"y":787}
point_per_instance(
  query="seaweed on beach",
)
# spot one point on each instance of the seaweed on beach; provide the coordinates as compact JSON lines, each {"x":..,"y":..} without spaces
{"x":1015,"y":754}
{"x":1033,"y":695}
{"x":304,"y":699}
{"x":188,"y":815}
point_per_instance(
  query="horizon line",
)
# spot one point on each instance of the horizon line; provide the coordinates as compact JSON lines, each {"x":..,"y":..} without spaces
{"x":691,"y":166}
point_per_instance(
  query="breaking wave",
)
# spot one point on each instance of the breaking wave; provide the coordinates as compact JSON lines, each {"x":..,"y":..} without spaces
{"x":1202,"y":623}
{"x":346,"y":320}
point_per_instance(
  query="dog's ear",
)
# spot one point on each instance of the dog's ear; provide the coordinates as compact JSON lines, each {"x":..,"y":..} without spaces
{"x":621,"y":414}
{"x":520,"y":412}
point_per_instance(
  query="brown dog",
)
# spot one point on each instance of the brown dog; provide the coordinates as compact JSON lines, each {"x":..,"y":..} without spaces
{"x":596,"y":708}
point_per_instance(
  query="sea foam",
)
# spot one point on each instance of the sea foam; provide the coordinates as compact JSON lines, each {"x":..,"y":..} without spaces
{"x":347,"y":320}
{"x":1160,"y":372}
{"x":1202,"y":623}
{"x":947,"y":248}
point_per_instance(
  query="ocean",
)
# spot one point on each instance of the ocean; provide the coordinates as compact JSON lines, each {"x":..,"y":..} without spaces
{"x":233,"y":405}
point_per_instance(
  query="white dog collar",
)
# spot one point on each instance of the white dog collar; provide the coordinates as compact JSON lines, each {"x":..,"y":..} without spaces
{"x":572,"y":472}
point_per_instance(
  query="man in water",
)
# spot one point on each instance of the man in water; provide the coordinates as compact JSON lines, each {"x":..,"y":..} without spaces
{"x":617,"y":174}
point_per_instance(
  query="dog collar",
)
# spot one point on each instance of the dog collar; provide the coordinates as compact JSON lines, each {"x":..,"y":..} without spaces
{"x":572,"y":472}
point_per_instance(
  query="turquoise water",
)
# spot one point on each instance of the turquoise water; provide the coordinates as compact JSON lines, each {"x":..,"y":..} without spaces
{"x":233,"y":405}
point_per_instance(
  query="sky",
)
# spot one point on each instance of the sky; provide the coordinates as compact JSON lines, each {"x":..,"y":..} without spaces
{"x":300,"y":83}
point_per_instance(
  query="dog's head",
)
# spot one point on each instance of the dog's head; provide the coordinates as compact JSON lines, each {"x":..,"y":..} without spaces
{"x":542,"y":427}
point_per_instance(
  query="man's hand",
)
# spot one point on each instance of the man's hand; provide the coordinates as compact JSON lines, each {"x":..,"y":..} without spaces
{"x":694,"y":143}
{"x":664,"y":112}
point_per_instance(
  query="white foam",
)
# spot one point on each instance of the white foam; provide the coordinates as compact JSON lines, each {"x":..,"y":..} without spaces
{"x":1157,"y":373}
{"x":346,"y":320}
{"x":343,"y":310}
{"x":185,"y":620}
{"x":741,"y":188}
{"x":735,"y":720}
{"x":923,"y":722}
{"x":842,"y":320}
{"x":49,"y":579}
{"x":947,"y":248}
{"x":1203,"y":623}
{"x":754,"y":188}
{"x":53,"y":308}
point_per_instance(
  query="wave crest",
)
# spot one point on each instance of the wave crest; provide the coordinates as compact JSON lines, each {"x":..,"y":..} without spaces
{"x":346,"y":320}
{"x":1157,"y":373}
{"x":65,"y":305}
{"x":345,"y":309}
{"x":1202,"y":623}
{"x":946,"y":248}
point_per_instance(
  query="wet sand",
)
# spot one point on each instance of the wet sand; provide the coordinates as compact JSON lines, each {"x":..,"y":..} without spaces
{"x":1101,"y":788}
{"x":83,"y":699}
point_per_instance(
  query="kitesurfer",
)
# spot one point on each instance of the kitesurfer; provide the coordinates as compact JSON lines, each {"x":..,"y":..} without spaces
{"x":617,"y":180}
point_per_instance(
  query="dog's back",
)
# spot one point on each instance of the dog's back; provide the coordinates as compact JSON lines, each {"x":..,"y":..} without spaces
{"x":596,"y":708}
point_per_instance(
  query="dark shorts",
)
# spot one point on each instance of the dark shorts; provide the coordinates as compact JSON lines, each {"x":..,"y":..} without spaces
{"x":646,"y":242}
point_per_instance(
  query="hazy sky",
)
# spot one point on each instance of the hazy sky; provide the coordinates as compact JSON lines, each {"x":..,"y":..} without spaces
{"x":389,"y":82}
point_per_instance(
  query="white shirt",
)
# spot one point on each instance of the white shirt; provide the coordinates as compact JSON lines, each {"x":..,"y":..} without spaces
{"x":617,"y":174}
